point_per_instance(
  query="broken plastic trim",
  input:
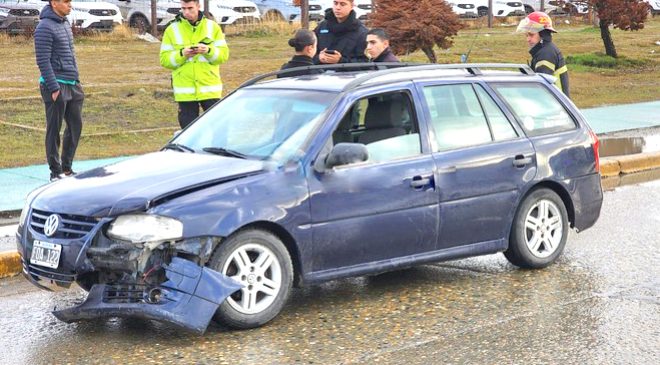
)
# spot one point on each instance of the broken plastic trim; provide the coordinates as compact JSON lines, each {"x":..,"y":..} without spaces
{"x":189,"y":298}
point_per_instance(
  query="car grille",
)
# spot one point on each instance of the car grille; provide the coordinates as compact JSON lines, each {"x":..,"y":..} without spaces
{"x":514,"y":4}
{"x":45,"y":273}
{"x":466,"y":6}
{"x":365,"y":6}
{"x":314,"y":7}
{"x":173,"y":10}
{"x":71,"y":227}
{"x":124,"y":293}
{"x":244,"y":9}
{"x":103,"y":12}
{"x":24,"y":12}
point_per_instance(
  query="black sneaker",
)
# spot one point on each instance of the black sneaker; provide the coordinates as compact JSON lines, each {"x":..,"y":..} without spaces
{"x":55,"y":177}
{"x":68,"y":173}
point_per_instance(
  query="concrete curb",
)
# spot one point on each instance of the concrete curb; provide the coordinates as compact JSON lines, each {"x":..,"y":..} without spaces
{"x":10,"y":262}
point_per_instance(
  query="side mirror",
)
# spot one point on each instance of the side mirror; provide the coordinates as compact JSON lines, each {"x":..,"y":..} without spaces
{"x":342,"y":154}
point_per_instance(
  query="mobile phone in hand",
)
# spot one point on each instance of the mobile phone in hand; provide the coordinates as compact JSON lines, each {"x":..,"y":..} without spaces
{"x":330,"y":51}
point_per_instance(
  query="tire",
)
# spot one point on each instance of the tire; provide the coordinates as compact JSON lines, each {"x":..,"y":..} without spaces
{"x":528,"y":9}
{"x":482,"y":12}
{"x":270,"y":287}
{"x":140,"y":23}
{"x":539,"y":230}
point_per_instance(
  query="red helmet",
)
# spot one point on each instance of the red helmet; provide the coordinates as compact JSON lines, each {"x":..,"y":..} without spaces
{"x":535,"y":22}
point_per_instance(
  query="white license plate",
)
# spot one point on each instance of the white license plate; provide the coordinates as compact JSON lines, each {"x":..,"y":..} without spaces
{"x":46,"y":254}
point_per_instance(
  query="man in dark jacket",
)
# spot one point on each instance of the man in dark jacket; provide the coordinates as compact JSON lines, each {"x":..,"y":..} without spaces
{"x":378,"y":46}
{"x":546,"y":57}
{"x":341,"y":36}
{"x":60,"y":85}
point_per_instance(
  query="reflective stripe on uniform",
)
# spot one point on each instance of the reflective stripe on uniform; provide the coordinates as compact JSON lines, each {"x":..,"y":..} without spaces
{"x":173,"y":59}
{"x":209,"y":29}
{"x":219,"y":43}
{"x":557,"y":75}
{"x":209,"y":89}
{"x":215,"y":55}
{"x":184,"y":90}
{"x":166,"y":47}
{"x":202,"y":59}
{"x":177,"y":33}
{"x":545,"y":63}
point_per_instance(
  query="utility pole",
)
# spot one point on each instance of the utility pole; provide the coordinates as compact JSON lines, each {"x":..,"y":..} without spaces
{"x":542,"y":5}
{"x":207,"y":12}
{"x":154,"y":19}
{"x":490,"y":13}
{"x":304,"y":13}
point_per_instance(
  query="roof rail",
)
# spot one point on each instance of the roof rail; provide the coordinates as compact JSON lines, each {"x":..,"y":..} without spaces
{"x":386,"y":68}
{"x":472,"y":68}
{"x":346,"y":67}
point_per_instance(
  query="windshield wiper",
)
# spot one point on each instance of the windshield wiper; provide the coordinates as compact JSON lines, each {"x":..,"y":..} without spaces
{"x":178,"y":147}
{"x":224,"y":152}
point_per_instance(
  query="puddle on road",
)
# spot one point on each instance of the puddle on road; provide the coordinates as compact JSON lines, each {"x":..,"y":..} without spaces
{"x":618,"y":146}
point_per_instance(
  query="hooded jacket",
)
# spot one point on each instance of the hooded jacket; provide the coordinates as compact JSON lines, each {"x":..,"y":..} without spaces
{"x":349,"y":37}
{"x":194,"y":78}
{"x":547,"y":59}
{"x":53,"y":46}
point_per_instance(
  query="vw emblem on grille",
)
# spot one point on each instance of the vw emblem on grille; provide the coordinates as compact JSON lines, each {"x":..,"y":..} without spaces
{"x":104,"y":12}
{"x":26,"y":12}
{"x":51,"y":225}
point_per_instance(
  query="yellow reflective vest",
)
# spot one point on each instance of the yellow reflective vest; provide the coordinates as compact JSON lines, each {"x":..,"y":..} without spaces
{"x":195,"y":78}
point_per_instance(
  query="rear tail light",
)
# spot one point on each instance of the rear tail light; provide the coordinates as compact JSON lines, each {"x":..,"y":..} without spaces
{"x":595,"y":144}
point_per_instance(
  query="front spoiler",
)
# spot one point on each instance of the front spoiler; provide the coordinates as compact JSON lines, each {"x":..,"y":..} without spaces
{"x":189,"y":298}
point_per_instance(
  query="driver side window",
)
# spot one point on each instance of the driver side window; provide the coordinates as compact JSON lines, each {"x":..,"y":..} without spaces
{"x":385,"y":124}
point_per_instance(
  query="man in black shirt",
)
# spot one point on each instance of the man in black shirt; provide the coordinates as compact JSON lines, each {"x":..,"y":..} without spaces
{"x":341,"y":36}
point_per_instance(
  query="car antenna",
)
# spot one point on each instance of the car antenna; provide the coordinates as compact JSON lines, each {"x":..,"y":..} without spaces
{"x":465,"y":56}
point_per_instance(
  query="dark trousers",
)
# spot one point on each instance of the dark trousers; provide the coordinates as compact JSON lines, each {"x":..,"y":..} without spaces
{"x":189,"y":110}
{"x":68,"y":106}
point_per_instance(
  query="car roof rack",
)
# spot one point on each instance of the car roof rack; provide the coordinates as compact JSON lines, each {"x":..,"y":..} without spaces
{"x":387,"y":68}
{"x":473,"y":68}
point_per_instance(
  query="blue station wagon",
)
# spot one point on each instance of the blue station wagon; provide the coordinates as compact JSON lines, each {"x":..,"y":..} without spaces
{"x":299,"y":180}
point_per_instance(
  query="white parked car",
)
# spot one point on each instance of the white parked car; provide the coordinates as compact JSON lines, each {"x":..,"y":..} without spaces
{"x":137,"y":13}
{"x":233,"y":11}
{"x":535,"y":5}
{"x":90,"y":14}
{"x":501,"y":8}
{"x":654,"y":6}
{"x":464,"y":8}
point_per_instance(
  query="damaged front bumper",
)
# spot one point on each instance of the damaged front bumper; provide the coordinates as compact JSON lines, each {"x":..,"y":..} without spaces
{"x":189,"y":298}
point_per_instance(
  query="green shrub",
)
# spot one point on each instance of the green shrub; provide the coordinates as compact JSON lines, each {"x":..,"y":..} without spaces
{"x":602,"y":60}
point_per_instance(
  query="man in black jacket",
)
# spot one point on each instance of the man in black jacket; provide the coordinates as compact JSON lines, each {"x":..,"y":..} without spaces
{"x":546,"y":57}
{"x":60,"y":85}
{"x":378,"y":46}
{"x":341,"y":36}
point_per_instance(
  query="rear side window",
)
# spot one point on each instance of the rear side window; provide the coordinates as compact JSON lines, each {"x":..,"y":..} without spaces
{"x":535,"y":107}
{"x":458,"y":119}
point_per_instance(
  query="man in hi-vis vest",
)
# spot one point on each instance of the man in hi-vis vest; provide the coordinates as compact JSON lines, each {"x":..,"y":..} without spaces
{"x":193,"y":47}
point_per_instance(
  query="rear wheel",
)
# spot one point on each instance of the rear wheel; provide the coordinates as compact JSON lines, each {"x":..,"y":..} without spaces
{"x":260,"y":262}
{"x":482,"y":12}
{"x":140,"y":23}
{"x":273,"y":16}
{"x":539,"y":230}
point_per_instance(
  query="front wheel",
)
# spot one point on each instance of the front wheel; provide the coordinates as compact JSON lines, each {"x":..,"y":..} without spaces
{"x":539,"y":230}
{"x":259,"y":261}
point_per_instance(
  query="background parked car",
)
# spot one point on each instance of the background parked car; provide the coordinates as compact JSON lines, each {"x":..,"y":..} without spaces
{"x":18,"y":17}
{"x":227,"y":12}
{"x":464,"y":8}
{"x":654,"y":6}
{"x":317,"y":9}
{"x":500,"y":8}
{"x":94,"y":15}
{"x":278,"y":10}
{"x":535,"y":5}
{"x":137,"y":13}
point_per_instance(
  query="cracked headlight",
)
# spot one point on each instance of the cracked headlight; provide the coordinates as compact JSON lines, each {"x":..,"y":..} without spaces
{"x":145,"y":228}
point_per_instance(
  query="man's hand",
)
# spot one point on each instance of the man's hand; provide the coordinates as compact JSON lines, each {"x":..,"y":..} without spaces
{"x":202,"y":48}
{"x":330,"y":58}
{"x":189,"y":52}
{"x":55,"y":94}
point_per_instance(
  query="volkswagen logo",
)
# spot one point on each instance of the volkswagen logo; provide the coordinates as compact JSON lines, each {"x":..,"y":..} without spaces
{"x":26,"y":12}
{"x":51,"y":225}
{"x":104,"y":12}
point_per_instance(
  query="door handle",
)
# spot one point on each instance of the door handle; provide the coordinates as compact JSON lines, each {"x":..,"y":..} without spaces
{"x":420,"y":181}
{"x":521,"y":161}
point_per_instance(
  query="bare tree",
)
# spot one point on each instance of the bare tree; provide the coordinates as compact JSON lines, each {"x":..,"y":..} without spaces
{"x":622,"y":14}
{"x":419,"y":24}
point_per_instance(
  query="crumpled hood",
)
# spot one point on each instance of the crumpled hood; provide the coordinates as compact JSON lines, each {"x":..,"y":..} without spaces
{"x":137,"y":183}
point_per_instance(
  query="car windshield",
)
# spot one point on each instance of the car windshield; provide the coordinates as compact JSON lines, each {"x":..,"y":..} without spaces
{"x":261,"y":124}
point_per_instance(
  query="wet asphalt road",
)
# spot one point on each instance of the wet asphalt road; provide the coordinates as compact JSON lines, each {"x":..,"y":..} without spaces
{"x":600,"y":304}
